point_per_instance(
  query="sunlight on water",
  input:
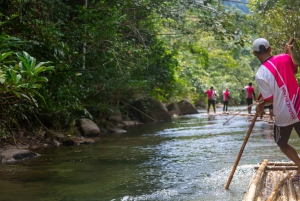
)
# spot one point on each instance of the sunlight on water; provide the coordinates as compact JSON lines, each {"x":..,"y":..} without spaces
{"x":211,"y":188}
{"x":187,"y":159}
{"x":160,"y":195}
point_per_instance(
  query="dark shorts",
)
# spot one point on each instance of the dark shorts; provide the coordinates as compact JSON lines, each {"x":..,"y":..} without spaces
{"x":225,"y":102}
{"x":211,"y":102}
{"x":249,"y":101}
{"x":282,"y":134}
{"x":270,"y":107}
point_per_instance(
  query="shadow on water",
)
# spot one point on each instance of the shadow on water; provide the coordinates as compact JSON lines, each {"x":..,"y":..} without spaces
{"x":187,"y":159}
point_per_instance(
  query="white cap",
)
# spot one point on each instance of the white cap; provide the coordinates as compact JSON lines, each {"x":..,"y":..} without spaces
{"x":258,"y":42}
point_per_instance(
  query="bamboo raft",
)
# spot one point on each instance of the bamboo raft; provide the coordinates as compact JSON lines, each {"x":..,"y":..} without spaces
{"x":272,"y":181}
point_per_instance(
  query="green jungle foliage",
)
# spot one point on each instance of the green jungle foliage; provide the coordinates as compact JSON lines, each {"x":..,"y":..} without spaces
{"x":277,"y":21}
{"x":63,"y":59}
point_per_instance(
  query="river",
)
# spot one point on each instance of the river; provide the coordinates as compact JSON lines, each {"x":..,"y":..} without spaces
{"x":187,"y":159}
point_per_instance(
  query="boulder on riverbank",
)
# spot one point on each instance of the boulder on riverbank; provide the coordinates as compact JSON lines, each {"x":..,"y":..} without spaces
{"x":87,"y":127}
{"x":187,"y":108}
{"x":115,"y":116}
{"x":182,"y":107}
{"x":149,"y":110}
{"x":118,"y":121}
{"x":174,"y":109}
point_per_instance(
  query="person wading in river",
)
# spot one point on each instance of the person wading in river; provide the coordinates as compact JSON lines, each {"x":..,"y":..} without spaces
{"x":277,"y":83}
{"x":249,"y":96}
{"x":226,"y":97}
{"x":211,"y":98}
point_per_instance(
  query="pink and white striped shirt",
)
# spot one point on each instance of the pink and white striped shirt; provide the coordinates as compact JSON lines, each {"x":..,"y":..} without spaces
{"x":275,"y":79}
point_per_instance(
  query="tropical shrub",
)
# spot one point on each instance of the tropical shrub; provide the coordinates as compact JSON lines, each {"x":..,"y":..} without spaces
{"x":20,"y":78}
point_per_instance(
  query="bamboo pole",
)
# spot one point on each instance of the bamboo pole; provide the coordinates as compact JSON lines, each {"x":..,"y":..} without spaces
{"x":274,"y":168}
{"x":275,"y":179}
{"x":280,"y":163}
{"x":297,"y":190}
{"x":260,"y":195}
{"x":268,"y":184}
{"x":237,"y":114}
{"x":262,"y":188}
{"x":276,"y":182}
{"x":256,"y":178}
{"x":291,"y":191}
{"x":290,"y":42}
{"x":241,"y":151}
{"x":277,"y":187}
{"x":283,"y":189}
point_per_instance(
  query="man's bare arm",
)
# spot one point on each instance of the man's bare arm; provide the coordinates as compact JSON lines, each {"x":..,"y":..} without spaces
{"x":288,"y":49}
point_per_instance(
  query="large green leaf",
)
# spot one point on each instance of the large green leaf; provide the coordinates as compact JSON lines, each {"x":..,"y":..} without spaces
{"x":4,"y":55}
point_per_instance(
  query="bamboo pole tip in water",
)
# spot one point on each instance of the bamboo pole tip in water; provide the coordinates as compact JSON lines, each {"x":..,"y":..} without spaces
{"x":228,"y":181}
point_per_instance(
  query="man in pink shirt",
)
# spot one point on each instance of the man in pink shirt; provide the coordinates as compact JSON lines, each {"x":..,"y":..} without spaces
{"x":226,"y":97}
{"x":277,"y":83}
{"x":211,"y":99}
{"x":249,"y":96}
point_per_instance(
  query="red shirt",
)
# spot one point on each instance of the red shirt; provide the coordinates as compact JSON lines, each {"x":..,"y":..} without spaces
{"x":249,"y":91}
{"x":226,"y":95}
{"x":210,"y":94}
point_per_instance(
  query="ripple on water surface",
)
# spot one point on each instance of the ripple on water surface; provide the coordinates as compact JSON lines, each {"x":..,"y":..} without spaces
{"x":187,"y":159}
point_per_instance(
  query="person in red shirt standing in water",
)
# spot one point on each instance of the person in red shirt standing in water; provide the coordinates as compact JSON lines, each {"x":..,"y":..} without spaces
{"x":249,"y":96}
{"x":211,"y":99}
{"x":226,"y":97}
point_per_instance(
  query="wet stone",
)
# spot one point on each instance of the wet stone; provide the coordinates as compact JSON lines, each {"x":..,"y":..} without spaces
{"x":12,"y":155}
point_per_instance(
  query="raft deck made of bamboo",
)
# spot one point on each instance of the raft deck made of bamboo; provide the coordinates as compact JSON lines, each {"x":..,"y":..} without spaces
{"x":272,"y":181}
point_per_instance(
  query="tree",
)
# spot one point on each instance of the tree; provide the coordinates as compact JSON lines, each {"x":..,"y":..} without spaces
{"x":277,"y":21}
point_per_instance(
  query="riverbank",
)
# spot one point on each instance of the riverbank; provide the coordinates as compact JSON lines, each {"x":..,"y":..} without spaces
{"x":84,"y":133}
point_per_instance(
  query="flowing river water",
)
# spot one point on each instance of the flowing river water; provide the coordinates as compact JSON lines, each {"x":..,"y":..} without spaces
{"x":187,"y":159}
